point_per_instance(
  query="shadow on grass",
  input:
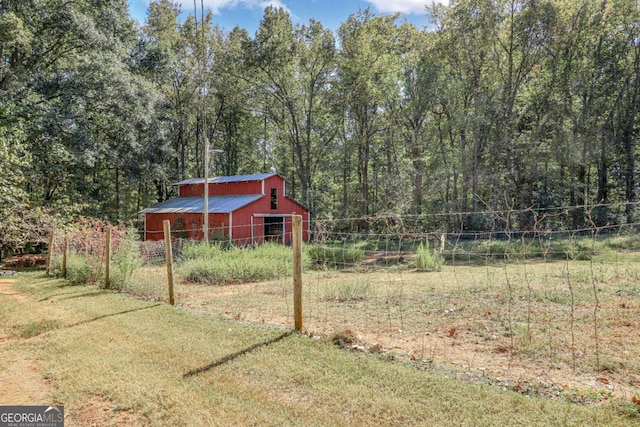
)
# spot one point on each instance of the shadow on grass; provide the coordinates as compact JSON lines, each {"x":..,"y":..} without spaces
{"x":34,"y":329}
{"x":83,"y":294}
{"x":62,"y":294}
{"x":82,"y":322}
{"x":235,"y":355}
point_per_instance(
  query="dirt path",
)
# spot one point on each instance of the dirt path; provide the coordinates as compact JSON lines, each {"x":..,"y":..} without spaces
{"x":20,"y":381}
{"x":6,"y":288}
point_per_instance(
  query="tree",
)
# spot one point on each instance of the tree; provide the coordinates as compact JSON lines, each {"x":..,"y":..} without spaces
{"x":294,"y":69}
{"x":369,"y":74}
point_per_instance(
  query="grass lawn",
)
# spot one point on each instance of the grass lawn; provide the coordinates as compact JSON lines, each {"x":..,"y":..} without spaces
{"x":116,"y":360}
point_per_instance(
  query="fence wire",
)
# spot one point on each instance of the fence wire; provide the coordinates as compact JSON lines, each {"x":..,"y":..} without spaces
{"x":554,"y":312}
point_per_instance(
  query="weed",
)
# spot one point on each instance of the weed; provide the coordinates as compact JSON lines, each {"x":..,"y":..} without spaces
{"x":348,"y":291}
{"x":126,"y":261}
{"x":428,"y":259}
{"x":197,"y":250}
{"x":147,"y":282}
{"x":630,"y":410}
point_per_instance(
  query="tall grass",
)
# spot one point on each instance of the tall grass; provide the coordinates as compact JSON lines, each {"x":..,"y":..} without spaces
{"x":209,"y":264}
{"x":336,"y":256}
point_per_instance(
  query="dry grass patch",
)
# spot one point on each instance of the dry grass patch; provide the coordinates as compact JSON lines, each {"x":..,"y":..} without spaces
{"x":117,"y":359}
{"x":559,"y":328}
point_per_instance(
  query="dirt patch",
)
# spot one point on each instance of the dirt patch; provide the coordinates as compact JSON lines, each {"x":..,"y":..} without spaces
{"x":6,"y":288}
{"x":20,"y":381}
{"x":22,"y":384}
{"x":100,"y":412}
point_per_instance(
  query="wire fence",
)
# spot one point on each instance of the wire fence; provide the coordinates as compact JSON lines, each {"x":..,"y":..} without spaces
{"x":542,"y":311}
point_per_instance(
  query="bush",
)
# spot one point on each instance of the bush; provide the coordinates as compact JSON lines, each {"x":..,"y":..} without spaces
{"x":628,"y":243}
{"x":335,"y":256}
{"x":428,"y":259}
{"x":80,"y":269}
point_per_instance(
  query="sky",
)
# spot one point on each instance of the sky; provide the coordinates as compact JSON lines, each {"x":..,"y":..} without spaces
{"x":331,"y":13}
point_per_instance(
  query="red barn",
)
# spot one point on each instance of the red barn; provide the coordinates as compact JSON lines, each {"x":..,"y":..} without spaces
{"x":245,"y":209}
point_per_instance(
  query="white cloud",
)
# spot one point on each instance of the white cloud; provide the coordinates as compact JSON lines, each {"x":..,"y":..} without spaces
{"x":216,"y":5}
{"x":404,"y":6}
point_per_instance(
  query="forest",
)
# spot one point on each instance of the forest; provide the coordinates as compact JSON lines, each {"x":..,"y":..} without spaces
{"x":528,"y":106}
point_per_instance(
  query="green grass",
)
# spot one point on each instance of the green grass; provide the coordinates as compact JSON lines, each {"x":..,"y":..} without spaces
{"x":126,"y":359}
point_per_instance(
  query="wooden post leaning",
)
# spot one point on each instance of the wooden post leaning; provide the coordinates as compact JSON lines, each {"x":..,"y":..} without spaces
{"x":107,"y":259}
{"x":169,"y":257}
{"x":50,"y":251}
{"x":65,"y":253}
{"x":297,"y":271}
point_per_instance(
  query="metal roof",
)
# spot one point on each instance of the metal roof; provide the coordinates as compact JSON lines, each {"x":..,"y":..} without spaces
{"x":217,"y":204}
{"x":226,"y":179}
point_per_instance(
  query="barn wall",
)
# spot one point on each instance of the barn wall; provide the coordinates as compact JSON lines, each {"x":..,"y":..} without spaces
{"x":185,"y":225}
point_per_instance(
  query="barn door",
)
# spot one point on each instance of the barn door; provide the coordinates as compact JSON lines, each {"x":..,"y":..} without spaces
{"x":274,"y":229}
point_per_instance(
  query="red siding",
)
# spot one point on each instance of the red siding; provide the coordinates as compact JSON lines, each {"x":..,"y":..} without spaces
{"x":223,"y":189}
{"x":242,"y":219}
{"x":188,"y":225}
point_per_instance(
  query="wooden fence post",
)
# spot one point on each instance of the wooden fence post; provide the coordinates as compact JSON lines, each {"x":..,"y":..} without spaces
{"x":297,"y":271}
{"x":65,"y":253}
{"x":107,"y":258}
{"x":169,"y":257}
{"x":50,"y":251}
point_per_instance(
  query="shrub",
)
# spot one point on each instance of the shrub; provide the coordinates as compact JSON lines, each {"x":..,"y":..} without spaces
{"x":80,"y":269}
{"x":428,"y":259}
{"x":629,"y":242}
{"x":570,"y":249}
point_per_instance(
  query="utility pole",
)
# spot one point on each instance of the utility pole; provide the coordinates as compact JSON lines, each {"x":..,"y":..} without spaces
{"x":205,"y":212}
{"x":202,"y":74}
{"x":205,"y":227}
